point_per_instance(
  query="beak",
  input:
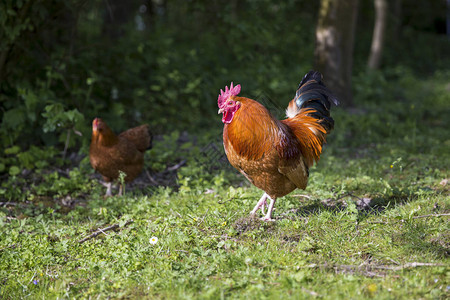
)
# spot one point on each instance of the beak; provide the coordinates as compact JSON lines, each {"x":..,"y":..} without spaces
{"x":220,"y":111}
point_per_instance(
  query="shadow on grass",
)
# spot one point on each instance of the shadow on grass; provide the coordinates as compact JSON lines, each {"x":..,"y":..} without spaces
{"x":365,"y":206}
{"x":416,"y":238}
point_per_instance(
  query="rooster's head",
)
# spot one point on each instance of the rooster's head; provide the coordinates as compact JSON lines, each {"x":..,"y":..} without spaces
{"x":227,"y":103}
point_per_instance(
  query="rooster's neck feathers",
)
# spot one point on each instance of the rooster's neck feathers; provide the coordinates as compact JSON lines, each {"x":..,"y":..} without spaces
{"x":251,"y":130}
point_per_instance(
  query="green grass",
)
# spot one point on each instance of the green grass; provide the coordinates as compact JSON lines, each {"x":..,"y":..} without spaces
{"x":325,"y":242}
{"x":210,"y":250}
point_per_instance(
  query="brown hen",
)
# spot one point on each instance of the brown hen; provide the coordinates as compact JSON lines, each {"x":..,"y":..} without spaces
{"x":110,"y":153}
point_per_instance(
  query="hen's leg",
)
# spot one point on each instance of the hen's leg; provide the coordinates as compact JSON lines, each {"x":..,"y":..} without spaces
{"x":108,"y":189}
{"x":268,"y":216}
{"x":260,"y":203}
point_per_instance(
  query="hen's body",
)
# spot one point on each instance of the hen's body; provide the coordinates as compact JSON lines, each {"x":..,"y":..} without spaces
{"x":275,"y":155}
{"x":110,"y":154}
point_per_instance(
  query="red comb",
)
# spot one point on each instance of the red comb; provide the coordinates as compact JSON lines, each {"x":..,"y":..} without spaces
{"x":232,"y":91}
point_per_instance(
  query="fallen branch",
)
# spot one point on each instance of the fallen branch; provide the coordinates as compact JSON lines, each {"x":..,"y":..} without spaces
{"x":348,"y":194}
{"x":100,"y":231}
{"x":177,"y":166}
{"x":394,"y":261}
{"x":407,"y":266}
{"x":353,"y":196}
{"x":8,"y":203}
{"x":377,"y":222}
{"x":383,"y":267}
{"x":222,"y":202}
{"x":369,"y":270}
{"x":151,"y":178}
{"x":224,"y":236}
{"x":184,"y":251}
{"x":431,"y":215}
{"x":302,"y":196}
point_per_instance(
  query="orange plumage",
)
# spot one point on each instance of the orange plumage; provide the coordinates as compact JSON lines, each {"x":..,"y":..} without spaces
{"x":275,"y":155}
{"x":110,"y":153}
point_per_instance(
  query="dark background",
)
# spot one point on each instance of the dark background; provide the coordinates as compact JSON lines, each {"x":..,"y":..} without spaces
{"x":163,"y":62}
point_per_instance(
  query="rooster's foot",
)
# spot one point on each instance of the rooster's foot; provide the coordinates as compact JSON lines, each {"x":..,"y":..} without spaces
{"x":261,"y":204}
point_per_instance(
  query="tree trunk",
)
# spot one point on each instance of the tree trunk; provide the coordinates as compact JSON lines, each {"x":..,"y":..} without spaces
{"x":376,"y":51}
{"x":448,"y":18}
{"x":396,"y":20}
{"x":117,"y":14}
{"x":334,"y":45}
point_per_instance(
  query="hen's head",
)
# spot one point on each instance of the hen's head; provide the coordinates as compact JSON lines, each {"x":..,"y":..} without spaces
{"x":227,"y":104}
{"x":101,"y":133}
{"x":98,"y":125}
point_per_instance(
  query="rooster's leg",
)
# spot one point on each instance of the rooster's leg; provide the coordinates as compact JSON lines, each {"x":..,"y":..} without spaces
{"x":260,"y":204}
{"x":108,"y":189}
{"x":268,"y":216}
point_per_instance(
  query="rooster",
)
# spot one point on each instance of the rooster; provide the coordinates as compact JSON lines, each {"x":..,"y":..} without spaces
{"x":110,"y":153}
{"x":275,"y":155}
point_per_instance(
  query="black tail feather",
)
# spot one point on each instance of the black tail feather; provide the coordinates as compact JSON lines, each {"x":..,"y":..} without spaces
{"x":312,"y":87}
{"x":312,"y":93}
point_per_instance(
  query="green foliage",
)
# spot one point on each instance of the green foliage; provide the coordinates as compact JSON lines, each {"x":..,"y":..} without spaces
{"x":57,"y":117}
{"x":396,"y":107}
{"x":165,"y":71}
{"x":14,"y":21}
{"x":168,"y":150}
{"x":27,"y":175}
{"x":75,"y":183}
{"x":44,"y":184}
{"x":196,"y":178}
{"x":32,"y":159}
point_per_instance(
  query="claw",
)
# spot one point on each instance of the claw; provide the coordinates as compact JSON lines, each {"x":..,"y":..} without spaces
{"x":268,"y":216}
{"x":262,"y":203}
{"x":263,"y":206}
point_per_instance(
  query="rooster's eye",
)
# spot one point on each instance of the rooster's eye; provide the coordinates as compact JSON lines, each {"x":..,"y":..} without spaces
{"x":230,"y":102}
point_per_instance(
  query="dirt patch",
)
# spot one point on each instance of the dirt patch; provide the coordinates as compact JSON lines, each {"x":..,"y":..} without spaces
{"x":252,"y":223}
